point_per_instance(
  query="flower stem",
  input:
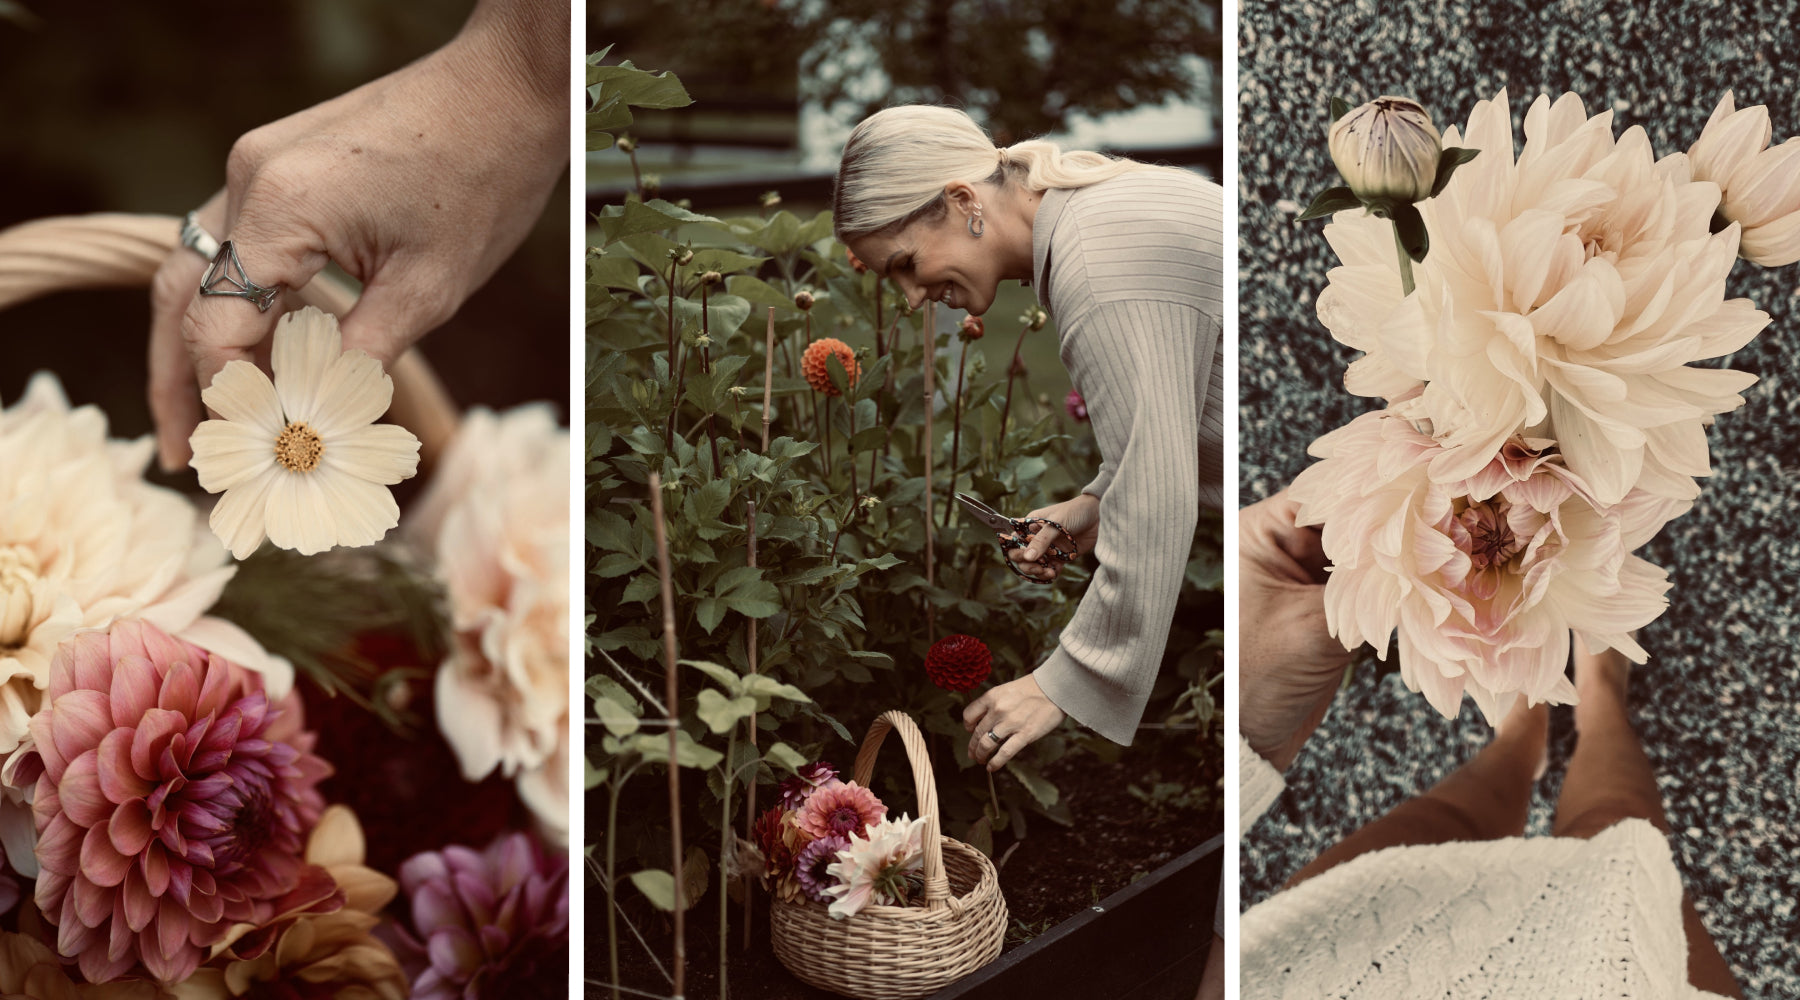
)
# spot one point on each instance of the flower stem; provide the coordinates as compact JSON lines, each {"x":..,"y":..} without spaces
{"x":724,"y":851}
{"x":928,"y":340}
{"x":962,"y":365}
{"x":1012,"y":369}
{"x":672,"y":694}
{"x":750,"y":648}
{"x":669,"y":430}
{"x":1406,"y":277}
{"x":768,"y":378}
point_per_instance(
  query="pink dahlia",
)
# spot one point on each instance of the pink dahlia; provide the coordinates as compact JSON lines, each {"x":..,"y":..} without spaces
{"x":810,"y":869}
{"x":174,"y":802}
{"x":488,"y":923}
{"x":1483,"y":578}
{"x":839,"y":810}
{"x":811,"y":776}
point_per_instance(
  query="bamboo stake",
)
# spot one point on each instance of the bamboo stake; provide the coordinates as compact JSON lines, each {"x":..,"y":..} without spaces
{"x":962,"y":365}
{"x":1012,"y":369}
{"x":706,"y":369}
{"x":929,"y":339}
{"x":669,"y":431}
{"x":750,"y":790}
{"x":671,"y":693}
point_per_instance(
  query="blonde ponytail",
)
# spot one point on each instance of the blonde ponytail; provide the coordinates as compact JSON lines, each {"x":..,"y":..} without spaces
{"x":898,"y":160}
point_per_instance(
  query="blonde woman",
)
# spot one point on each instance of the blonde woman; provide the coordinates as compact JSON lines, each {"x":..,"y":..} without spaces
{"x":1126,"y":258}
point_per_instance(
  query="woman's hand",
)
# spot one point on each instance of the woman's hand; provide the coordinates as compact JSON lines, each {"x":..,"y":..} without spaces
{"x":1289,"y":666}
{"x":418,"y":184}
{"x":1018,"y":712}
{"x":1081,"y":516}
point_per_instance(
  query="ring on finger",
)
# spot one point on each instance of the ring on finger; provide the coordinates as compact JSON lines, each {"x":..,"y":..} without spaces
{"x":996,"y":737}
{"x":225,"y":276}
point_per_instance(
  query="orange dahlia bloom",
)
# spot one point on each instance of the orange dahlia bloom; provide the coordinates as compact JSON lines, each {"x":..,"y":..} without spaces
{"x":812,"y":363}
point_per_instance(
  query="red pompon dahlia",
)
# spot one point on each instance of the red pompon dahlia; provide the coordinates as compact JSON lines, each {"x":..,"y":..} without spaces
{"x":958,"y":662}
{"x":973,"y":328}
{"x":173,"y":802}
{"x":812,"y":363}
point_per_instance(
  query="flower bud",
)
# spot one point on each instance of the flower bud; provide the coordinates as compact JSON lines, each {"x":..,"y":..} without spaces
{"x":711,"y":278}
{"x":682,"y":256}
{"x":1387,"y":150}
{"x":972,"y":328}
{"x":651,"y":185}
{"x":803,"y":301}
{"x":1035,"y":317}
{"x":769,"y":199}
{"x":626,"y":144}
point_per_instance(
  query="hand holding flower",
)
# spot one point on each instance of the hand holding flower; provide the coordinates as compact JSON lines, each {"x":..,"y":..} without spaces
{"x":1018,"y":711}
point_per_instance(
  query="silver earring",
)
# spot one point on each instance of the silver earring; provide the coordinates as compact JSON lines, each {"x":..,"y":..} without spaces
{"x":976,"y":226}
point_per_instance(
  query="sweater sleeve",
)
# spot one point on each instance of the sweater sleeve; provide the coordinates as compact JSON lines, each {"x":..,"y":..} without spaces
{"x":1259,"y":785}
{"x":1140,"y":365}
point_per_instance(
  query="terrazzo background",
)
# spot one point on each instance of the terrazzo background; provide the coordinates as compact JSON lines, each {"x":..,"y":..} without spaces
{"x":1718,"y":706}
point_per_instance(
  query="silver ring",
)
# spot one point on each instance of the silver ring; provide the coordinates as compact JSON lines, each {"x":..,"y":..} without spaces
{"x":196,"y":238}
{"x":996,"y":737}
{"x":225,"y":276}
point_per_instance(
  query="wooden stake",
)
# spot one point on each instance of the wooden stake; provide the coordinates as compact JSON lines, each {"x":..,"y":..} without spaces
{"x":930,"y":341}
{"x":750,"y":790}
{"x":768,"y":377}
{"x":671,"y":693}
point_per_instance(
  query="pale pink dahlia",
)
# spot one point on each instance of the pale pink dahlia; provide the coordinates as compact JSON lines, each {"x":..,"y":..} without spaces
{"x":839,"y":810}
{"x":1483,"y":578}
{"x":174,"y":801}
{"x":486,"y":922}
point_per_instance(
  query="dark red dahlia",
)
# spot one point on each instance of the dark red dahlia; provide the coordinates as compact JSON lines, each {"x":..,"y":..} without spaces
{"x":958,"y":662}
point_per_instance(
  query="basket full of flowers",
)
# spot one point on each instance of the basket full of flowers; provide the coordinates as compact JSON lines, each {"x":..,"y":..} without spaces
{"x":868,"y":906}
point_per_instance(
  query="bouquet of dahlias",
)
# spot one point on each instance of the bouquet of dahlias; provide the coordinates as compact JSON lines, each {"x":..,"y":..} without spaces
{"x":830,"y":841}
{"x":170,"y":736}
{"x":1530,"y":321}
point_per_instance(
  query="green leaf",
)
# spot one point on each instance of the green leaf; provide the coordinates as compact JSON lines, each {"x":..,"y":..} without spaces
{"x":785,"y":757}
{"x":609,"y":531}
{"x":709,"y":613}
{"x":613,"y":271}
{"x":1448,"y":161}
{"x":721,"y":713}
{"x":1040,"y":787}
{"x":640,"y":88}
{"x":1340,"y":108}
{"x":759,"y":292}
{"x":762,"y":687}
{"x":616,"y":222}
{"x":726,"y":677}
{"x":617,"y":564}
{"x":722,"y":260}
{"x":642,"y":589}
{"x":658,"y":886}
{"x":654,"y":747}
{"x":595,"y":776}
{"x":834,"y":368}
{"x":1412,"y":231}
{"x":724,"y":314}
{"x":1330,"y":201}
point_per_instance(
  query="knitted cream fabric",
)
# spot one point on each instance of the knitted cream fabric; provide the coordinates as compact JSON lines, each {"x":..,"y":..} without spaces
{"x":1528,"y":918}
{"x":1131,"y":270}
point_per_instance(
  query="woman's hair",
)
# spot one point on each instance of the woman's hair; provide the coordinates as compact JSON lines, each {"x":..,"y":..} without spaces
{"x":898,"y":160}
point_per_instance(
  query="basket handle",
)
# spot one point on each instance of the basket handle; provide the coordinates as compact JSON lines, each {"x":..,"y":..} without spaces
{"x":117,"y":250}
{"x":937,"y":884}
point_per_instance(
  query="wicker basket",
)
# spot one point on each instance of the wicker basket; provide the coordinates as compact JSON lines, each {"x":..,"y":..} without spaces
{"x":900,"y":952}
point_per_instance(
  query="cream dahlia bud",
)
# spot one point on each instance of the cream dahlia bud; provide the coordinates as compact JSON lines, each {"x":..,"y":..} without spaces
{"x":1387,"y":150}
{"x":1759,"y":184}
{"x":803,"y":301}
{"x":711,"y":278}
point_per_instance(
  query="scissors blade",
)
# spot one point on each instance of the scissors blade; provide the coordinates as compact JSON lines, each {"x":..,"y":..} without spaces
{"x":985,"y":514}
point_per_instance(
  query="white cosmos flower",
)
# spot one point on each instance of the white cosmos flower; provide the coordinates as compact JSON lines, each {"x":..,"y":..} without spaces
{"x":495,"y":522}
{"x":1565,"y":294}
{"x":1761,"y":183}
{"x":84,"y":540}
{"x":1482,"y":578}
{"x":301,"y":460}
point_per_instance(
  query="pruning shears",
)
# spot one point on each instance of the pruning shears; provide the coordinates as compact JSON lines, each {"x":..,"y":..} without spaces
{"x":1015,"y":533}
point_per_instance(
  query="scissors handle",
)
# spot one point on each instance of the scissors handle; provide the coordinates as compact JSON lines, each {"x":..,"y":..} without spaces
{"x":1022,"y":537}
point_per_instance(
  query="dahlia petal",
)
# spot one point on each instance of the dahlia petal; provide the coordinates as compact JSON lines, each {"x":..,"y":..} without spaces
{"x":228,"y":454}
{"x":72,"y":935}
{"x":93,"y":905}
{"x":377,"y":453}
{"x":79,"y":720}
{"x":1775,"y":243}
{"x":353,"y":393}
{"x":242,"y":394}
{"x":151,"y":738}
{"x":99,"y":860}
{"x":180,"y":689}
{"x":88,"y":657}
{"x":98,"y":967}
{"x":207,"y":907}
{"x":59,"y":847}
{"x":454,"y":950}
{"x":119,"y":782}
{"x":129,"y":828}
{"x":435,"y":908}
{"x":79,"y":792}
{"x":133,"y":690}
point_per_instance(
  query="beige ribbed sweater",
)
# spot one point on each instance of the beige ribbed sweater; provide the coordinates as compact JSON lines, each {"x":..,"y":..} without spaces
{"x":1130,"y":268}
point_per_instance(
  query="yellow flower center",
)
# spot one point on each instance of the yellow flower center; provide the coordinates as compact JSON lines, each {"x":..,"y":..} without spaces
{"x":18,"y":573}
{"x":299,"y":448}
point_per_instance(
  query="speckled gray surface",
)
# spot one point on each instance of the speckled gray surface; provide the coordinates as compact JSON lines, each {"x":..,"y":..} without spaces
{"x":1718,"y":706}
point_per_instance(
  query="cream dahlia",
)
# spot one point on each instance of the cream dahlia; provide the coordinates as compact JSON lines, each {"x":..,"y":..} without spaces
{"x":1760,"y":183}
{"x":84,"y":540}
{"x":837,"y":809}
{"x":173,"y":802}
{"x":878,"y":867}
{"x":496,"y":523}
{"x":301,"y":460}
{"x":1483,"y":578}
{"x":1566,"y":291}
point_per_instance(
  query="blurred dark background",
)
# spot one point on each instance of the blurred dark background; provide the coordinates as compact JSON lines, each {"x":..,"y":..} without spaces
{"x":114,"y":105}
